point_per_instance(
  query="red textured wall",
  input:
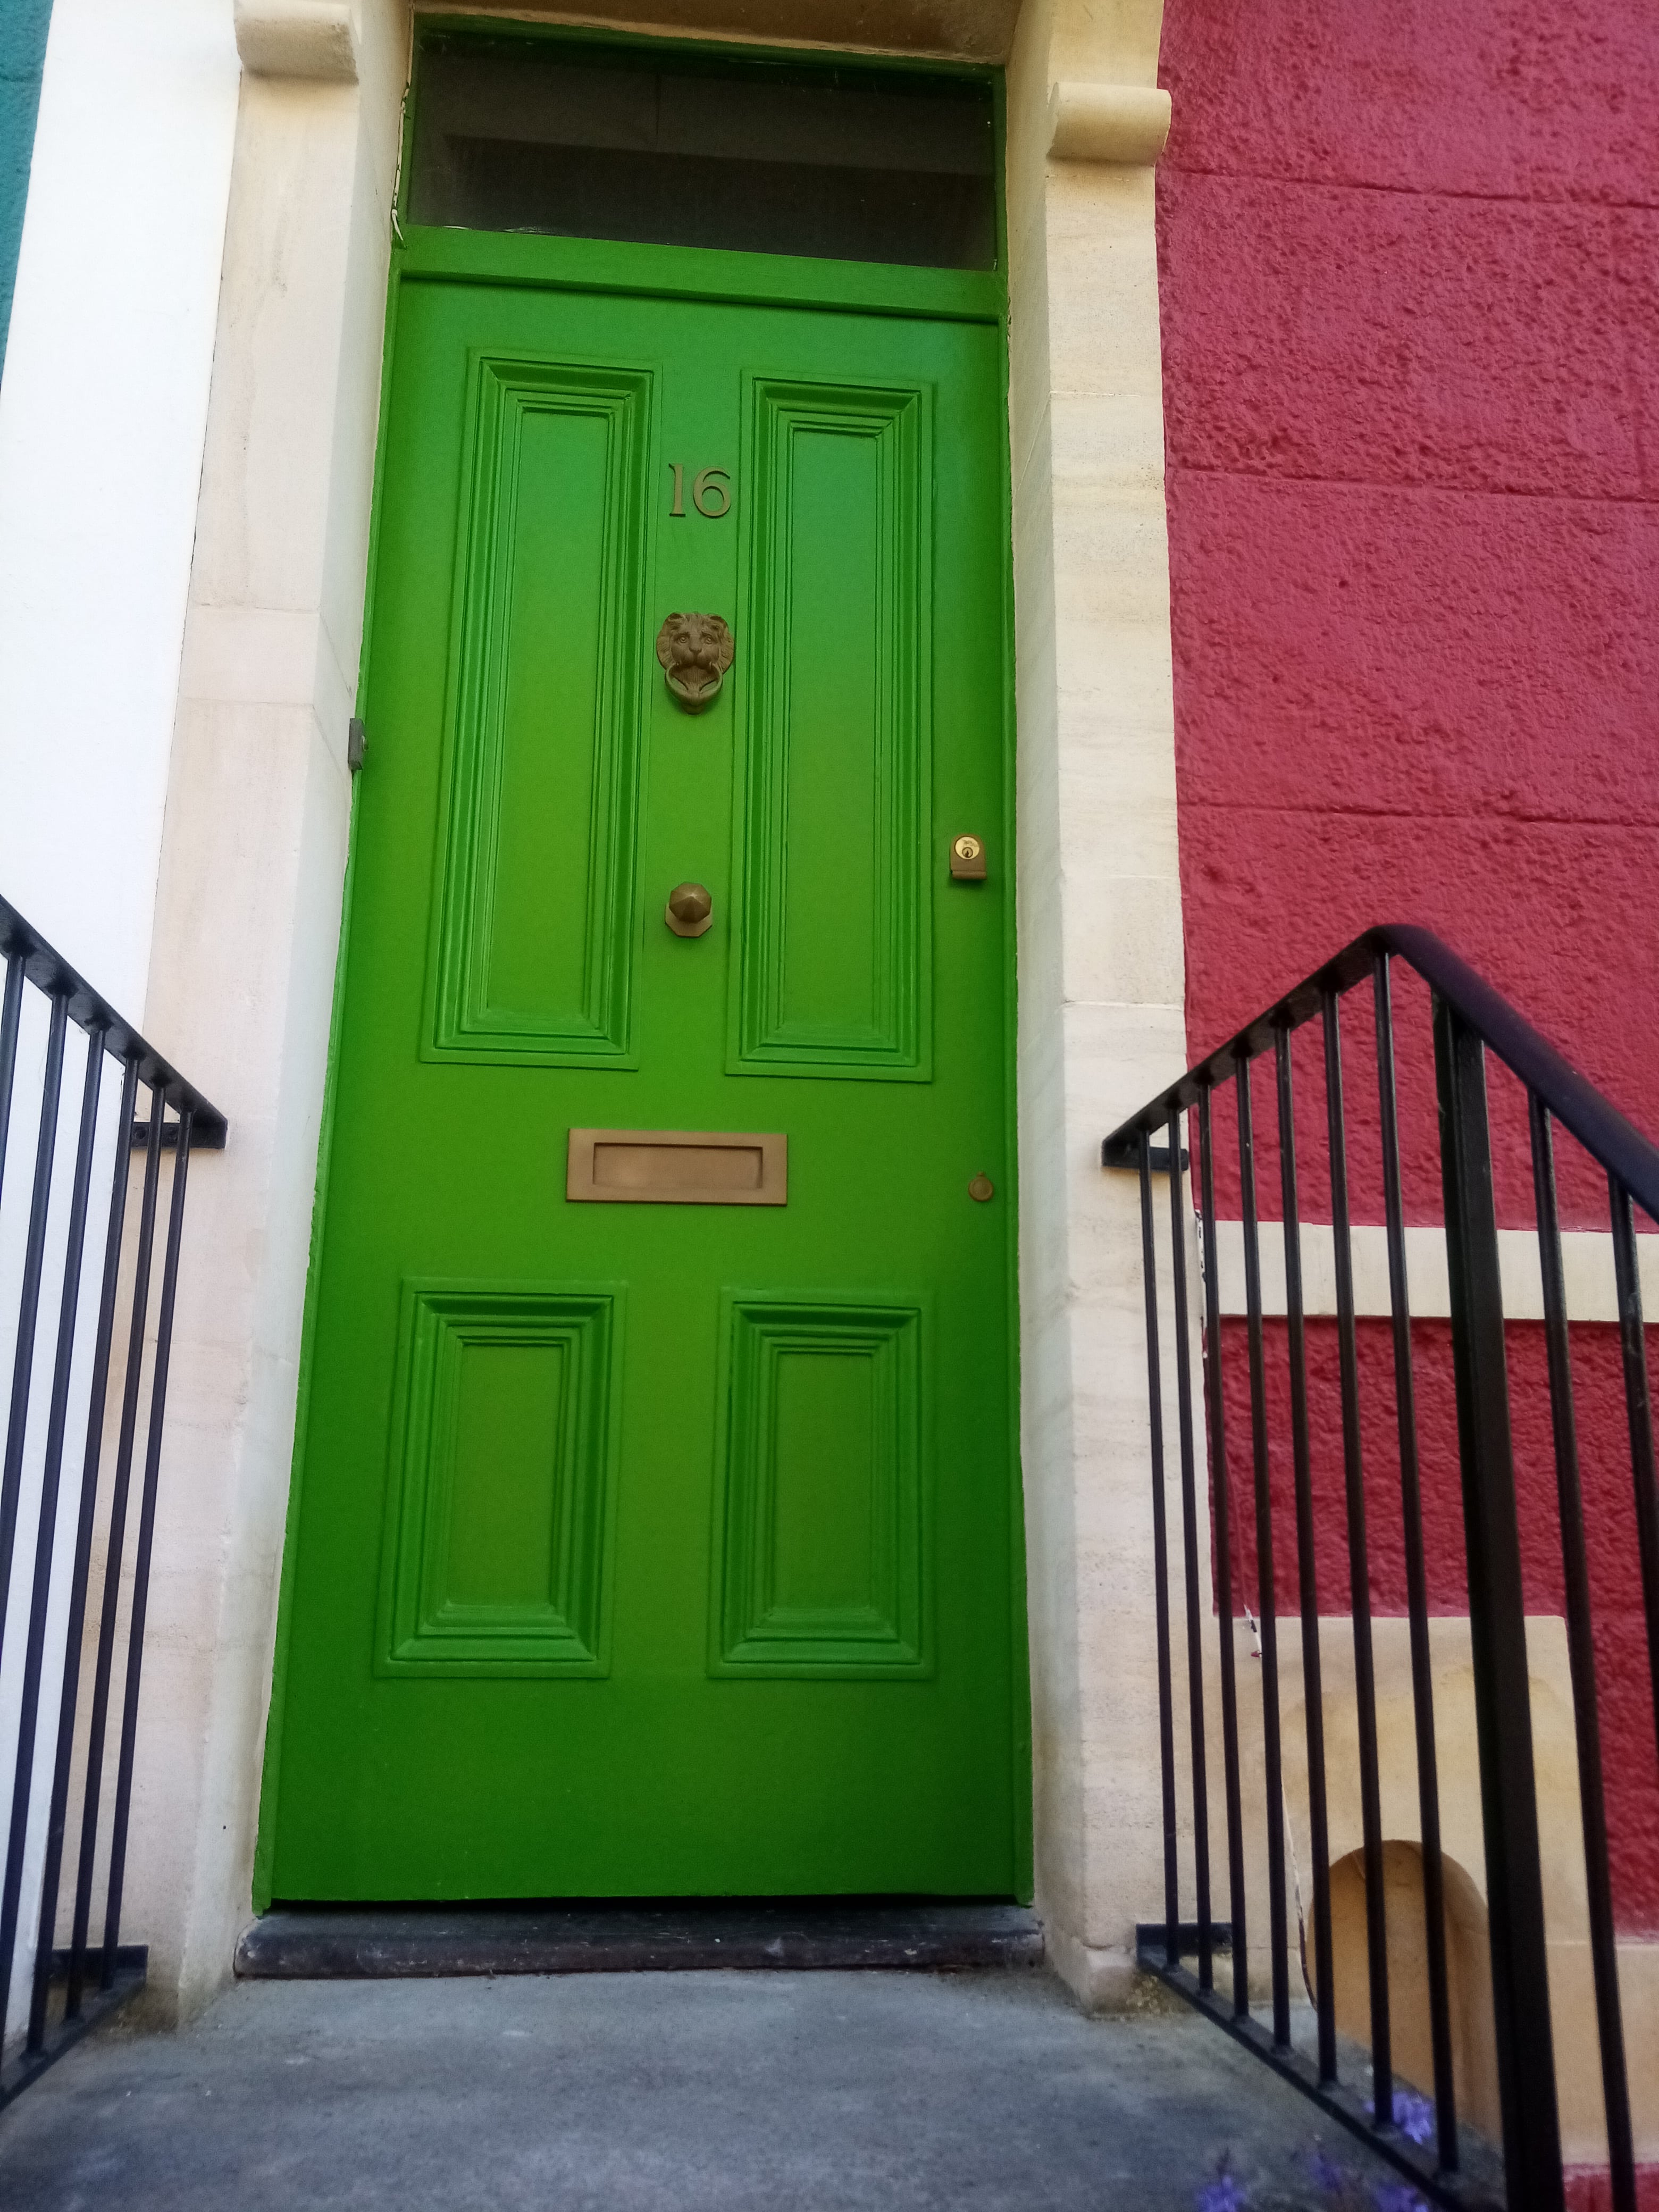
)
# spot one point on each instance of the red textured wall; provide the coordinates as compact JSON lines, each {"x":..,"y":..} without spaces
{"x":1408,"y":253}
{"x":1409,"y":267}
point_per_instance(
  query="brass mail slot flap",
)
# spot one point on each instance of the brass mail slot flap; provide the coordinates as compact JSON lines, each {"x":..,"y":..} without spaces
{"x":678,"y":1167}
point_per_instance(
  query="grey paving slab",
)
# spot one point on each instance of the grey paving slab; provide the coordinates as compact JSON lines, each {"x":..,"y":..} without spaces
{"x":781,"y":2091}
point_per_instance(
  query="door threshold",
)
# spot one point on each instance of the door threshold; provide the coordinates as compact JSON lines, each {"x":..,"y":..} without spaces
{"x":358,"y":1942}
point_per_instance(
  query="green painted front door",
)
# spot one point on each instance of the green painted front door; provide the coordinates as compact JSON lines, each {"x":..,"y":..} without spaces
{"x":648,"y":1546}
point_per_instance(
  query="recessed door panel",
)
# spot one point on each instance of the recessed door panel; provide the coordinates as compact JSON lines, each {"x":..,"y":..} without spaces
{"x":503,"y":1450}
{"x":834,"y":973}
{"x":533,"y":956}
{"x":823,"y":1478}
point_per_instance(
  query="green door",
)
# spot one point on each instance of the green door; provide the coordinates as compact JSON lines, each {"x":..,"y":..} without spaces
{"x":657,"y":1526}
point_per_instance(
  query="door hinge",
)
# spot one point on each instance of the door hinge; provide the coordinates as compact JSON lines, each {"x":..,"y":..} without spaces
{"x":357,"y":744}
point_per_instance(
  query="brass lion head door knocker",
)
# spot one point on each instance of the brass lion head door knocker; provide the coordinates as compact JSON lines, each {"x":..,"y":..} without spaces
{"x":696,"y":651}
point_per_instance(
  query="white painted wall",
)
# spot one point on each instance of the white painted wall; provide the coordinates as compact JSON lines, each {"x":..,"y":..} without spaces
{"x":103,"y":410}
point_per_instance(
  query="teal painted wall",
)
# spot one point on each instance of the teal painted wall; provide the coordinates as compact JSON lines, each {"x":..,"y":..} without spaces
{"x":22,"y":52}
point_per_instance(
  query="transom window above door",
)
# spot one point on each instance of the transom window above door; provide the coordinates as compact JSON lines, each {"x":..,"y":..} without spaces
{"x":576,"y":141}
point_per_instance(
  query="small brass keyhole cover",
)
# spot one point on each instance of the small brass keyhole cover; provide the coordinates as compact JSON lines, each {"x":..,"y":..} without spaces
{"x":690,"y":910}
{"x":981,"y":1187}
{"x":968,"y":857}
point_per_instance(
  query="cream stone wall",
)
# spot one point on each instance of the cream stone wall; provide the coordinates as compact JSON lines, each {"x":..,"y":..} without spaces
{"x":1101,"y":1025}
{"x":246,"y":927}
{"x":1586,"y":1271}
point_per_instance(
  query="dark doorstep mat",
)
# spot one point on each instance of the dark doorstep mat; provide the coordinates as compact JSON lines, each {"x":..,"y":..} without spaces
{"x":371,"y":1943}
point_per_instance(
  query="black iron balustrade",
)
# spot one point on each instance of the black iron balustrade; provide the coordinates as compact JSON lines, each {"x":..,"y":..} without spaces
{"x":60,"y":1395}
{"x":1470,"y":1022}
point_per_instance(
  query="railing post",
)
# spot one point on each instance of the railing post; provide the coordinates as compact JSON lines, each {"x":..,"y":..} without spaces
{"x":1498,"y":1628}
{"x":1160,"y":1563}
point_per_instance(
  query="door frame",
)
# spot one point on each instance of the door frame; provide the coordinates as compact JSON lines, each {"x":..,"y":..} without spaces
{"x":714,"y":276}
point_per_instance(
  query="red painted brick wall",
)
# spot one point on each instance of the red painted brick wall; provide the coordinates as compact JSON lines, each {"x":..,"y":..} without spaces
{"x":1409,"y":260}
{"x":1410,"y":279}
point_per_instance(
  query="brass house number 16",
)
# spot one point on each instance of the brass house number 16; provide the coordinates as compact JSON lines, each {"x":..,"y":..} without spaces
{"x":710,"y":492}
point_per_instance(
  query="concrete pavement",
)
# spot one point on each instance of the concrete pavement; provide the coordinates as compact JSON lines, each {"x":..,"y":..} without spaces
{"x":720,"y":2092}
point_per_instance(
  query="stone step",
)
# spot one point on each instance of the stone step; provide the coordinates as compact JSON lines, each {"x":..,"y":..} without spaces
{"x":367,"y":1943}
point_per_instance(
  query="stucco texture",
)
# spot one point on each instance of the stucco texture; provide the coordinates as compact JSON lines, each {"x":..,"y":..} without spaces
{"x":1408,"y":258}
{"x":1407,"y":254}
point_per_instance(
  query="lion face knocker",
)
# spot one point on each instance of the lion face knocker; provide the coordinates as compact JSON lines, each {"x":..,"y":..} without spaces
{"x":696,"y":651}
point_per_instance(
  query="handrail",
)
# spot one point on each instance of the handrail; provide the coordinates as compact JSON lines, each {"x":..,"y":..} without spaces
{"x":1575,"y":1103}
{"x":84,"y":1333}
{"x":46,"y":967}
{"x":1469,"y":1020}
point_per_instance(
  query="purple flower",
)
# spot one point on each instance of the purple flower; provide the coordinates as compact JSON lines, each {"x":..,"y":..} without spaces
{"x":1413,"y":2115}
{"x":1224,"y":2194}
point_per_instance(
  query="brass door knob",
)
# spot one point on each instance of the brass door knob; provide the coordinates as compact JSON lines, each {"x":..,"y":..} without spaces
{"x":690,"y":910}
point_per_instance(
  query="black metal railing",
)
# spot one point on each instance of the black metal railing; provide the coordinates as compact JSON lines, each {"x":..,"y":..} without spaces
{"x":1435,"y":1152}
{"x":64,"y":1529}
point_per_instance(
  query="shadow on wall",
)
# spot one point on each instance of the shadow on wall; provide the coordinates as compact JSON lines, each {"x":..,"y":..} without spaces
{"x":1468,"y":1973}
